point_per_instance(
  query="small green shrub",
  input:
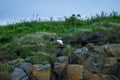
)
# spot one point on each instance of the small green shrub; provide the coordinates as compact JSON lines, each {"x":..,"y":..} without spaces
{"x":5,"y":71}
{"x":67,"y":50}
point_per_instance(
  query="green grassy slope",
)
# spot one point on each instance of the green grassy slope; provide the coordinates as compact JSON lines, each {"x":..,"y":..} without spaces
{"x":30,"y":38}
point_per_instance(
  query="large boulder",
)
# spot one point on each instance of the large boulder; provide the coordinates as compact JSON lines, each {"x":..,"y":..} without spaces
{"x":70,"y":40}
{"x":92,"y":38}
{"x":78,"y":56}
{"x":18,"y":74}
{"x":93,"y":65}
{"x":75,"y":72}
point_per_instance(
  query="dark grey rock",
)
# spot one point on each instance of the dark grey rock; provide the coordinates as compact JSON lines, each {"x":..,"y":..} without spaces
{"x":18,"y":74}
{"x":57,"y":64}
{"x":69,"y":40}
{"x":25,"y":78}
{"x":43,"y":67}
{"x":92,"y":38}
{"x":27,"y":67}
{"x":61,"y":58}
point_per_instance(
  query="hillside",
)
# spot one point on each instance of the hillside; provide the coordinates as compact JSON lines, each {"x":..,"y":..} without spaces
{"x":30,"y":41}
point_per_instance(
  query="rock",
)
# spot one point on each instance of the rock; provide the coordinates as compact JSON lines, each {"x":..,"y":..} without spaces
{"x":27,"y":67}
{"x":118,"y":70}
{"x":92,"y":38}
{"x":71,"y":58}
{"x":18,"y":74}
{"x":94,"y":63}
{"x":37,"y":66}
{"x":16,"y":61}
{"x":69,"y":40}
{"x":59,"y":72}
{"x":75,"y":72}
{"x":118,"y":57}
{"x":81,"y":50}
{"x":43,"y":67}
{"x":110,"y":61}
{"x":86,"y":63}
{"x":25,"y":78}
{"x":57,"y":64}
{"x":113,"y":70}
{"x":90,"y":46}
{"x":79,"y":55}
{"x":99,"y":49}
{"x":118,"y":45}
{"x":57,"y":51}
{"x":109,"y":77}
{"x":0,"y":63}
{"x":61,"y":58}
{"x":46,"y":66}
{"x":90,"y":76}
{"x":112,"y":50}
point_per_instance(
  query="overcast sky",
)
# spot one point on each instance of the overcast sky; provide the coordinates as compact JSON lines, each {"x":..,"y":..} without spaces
{"x":15,"y":10}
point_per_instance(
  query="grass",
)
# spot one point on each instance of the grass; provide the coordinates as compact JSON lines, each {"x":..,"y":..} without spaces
{"x":41,"y":58}
{"x":5,"y":71}
{"x":32,"y":37}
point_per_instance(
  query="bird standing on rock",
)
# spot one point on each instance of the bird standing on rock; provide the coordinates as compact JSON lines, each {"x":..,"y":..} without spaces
{"x":61,"y":44}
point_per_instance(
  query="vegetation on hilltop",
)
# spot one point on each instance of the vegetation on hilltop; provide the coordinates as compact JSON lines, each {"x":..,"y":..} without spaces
{"x":35,"y":34}
{"x":31,"y":39}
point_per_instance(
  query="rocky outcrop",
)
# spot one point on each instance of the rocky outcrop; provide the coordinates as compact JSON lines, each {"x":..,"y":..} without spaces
{"x":70,"y":41}
{"x":87,"y":63}
{"x":97,"y":60}
{"x":92,"y":38}
{"x":23,"y":72}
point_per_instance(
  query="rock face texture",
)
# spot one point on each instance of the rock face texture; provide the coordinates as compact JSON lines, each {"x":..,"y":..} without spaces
{"x":23,"y":72}
{"x":95,"y":37}
{"x":92,"y":38}
{"x":86,"y":63}
{"x":27,"y":67}
{"x":19,"y":74}
{"x":75,"y":72}
{"x":99,"y":61}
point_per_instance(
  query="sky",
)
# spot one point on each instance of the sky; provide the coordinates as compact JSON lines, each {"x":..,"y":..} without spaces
{"x":16,"y":10}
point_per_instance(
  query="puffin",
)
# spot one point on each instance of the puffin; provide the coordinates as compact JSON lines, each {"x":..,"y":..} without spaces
{"x":60,"y":42}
